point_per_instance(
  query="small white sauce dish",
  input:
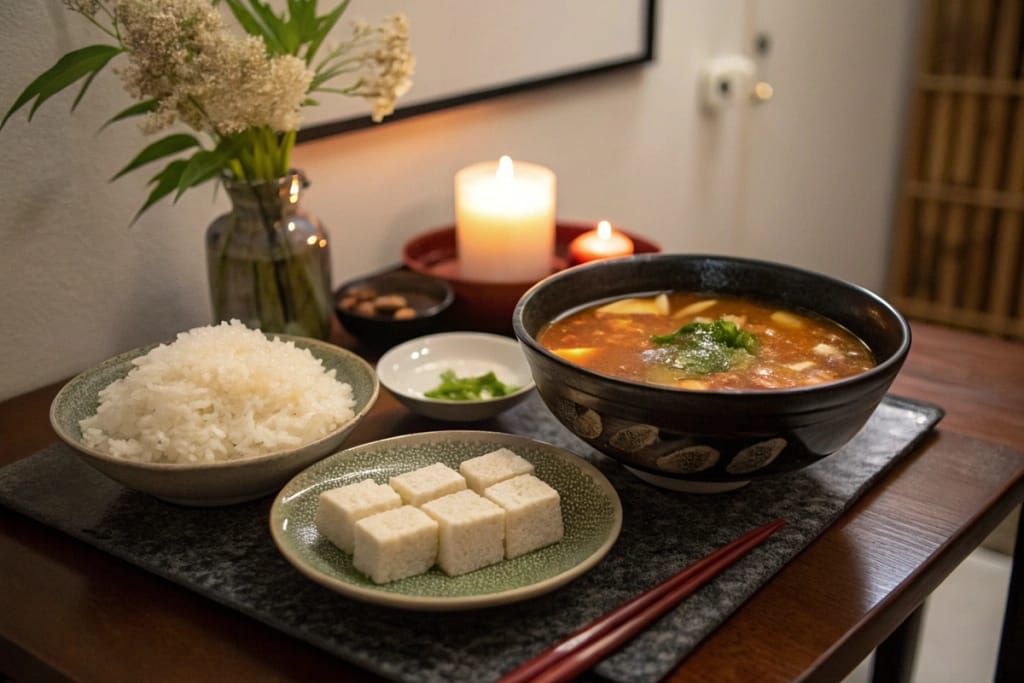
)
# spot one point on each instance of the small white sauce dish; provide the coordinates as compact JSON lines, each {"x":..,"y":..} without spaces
{"x":413,"y":368}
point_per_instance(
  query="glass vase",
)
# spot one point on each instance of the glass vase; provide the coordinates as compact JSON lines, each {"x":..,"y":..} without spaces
{"x":268,"y":261}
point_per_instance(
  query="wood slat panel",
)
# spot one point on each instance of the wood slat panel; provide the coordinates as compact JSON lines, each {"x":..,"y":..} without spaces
{"x":992,"y":160}
{"x":952,"y":273}
{"x":959,"y":228}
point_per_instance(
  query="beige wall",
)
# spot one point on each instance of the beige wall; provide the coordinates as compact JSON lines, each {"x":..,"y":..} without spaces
{"x":807,"y":179}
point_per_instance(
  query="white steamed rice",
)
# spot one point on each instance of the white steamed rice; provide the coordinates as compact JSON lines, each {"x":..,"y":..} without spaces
{"x":218,"y":393}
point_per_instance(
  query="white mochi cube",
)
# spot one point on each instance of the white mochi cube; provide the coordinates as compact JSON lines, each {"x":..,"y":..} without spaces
{"x":394,"y":544}
{"x":489,"y":469}
{"x":427,"y":483}
{"x":340,"y":508}
{"x":533,"y":513}
{"x":471,"y":531}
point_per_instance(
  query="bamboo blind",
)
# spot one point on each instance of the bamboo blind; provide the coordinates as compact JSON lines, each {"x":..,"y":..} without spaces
{"x":957,"y":249}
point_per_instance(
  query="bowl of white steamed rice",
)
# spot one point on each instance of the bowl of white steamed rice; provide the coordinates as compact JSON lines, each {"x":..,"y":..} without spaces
{"x":220,"y":415}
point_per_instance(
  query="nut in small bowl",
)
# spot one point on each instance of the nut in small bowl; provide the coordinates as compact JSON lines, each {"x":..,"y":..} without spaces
{"x":391,"y":307}
{"x":457,"y":365}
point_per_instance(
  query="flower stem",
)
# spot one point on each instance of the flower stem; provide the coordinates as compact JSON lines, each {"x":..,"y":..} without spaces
{"x":279,"y":277}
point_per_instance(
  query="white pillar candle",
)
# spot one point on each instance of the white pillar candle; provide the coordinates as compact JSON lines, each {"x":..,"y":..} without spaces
{"x":505,"y":221}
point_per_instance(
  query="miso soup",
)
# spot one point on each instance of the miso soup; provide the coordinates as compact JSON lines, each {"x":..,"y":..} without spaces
{"x":706,"y":341}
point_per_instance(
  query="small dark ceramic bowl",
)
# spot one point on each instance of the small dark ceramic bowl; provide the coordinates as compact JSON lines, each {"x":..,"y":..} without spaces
{"x":427,"y":297}
{"x":693,"y":440}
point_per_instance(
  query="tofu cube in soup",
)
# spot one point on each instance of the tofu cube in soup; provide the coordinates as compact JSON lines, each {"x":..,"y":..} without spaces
{"x":533,"y":513}
{"x":395,"y":544}
{"x":340,"y":508}
{"x":489,"y":469}
{"x":471,"y":531}
{"x":427,"y":483}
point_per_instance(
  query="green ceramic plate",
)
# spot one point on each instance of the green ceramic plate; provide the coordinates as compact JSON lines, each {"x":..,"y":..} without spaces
{"x":591,"y":511}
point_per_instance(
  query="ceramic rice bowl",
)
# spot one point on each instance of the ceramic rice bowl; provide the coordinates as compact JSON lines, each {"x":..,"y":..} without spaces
{"x":693,"y":440}
{"x":214,"y":483}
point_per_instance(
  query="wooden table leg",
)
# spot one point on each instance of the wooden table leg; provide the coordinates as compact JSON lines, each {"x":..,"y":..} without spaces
{"x":894,"y":658}
{"x":1010,"y":662}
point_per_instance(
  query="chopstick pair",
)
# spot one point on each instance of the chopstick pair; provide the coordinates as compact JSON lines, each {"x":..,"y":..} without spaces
{"x":595,"y":641}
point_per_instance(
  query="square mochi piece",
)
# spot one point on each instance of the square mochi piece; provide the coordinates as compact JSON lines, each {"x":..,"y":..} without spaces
{"x":471,"y":531}
{"x":490,"y":468}
{"x":340,"y":508}
{"x":395,"y":544}
{"x":427,"y":483}
{"x":533,"y":513}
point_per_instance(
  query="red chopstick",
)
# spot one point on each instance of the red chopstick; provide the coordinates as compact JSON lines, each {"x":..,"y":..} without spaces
{"x":595,"y":641}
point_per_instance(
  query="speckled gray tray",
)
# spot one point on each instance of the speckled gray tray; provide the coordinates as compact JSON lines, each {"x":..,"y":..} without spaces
{"x":227,"y":555}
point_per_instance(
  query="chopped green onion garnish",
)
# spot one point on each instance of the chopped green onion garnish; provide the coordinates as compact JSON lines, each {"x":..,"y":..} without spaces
{"x":454,"y":388}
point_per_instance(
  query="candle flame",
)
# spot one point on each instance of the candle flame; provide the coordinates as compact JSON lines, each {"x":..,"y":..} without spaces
{"x":604,"y":230}
{"x":505,"y":170}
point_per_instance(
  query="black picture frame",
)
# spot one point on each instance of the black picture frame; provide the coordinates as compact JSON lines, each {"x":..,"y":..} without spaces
{"x":547,"y":75}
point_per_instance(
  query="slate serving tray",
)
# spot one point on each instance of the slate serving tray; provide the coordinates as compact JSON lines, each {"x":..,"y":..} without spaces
{"x":227,"y":555}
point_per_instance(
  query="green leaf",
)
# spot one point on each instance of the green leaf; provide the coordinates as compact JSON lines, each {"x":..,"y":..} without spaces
{"x":302,"y":15}
{"x":286,"y":31}
{"x":135,"y":110}
{"x":274,"y":29}
{"x":165,"y":182}
{"x":252,"y":20}
{"x":241,"y":14}
{"x":326,"y":23}
{"x":81,"y":92}
{"x":199,"y":168}
{"x":326,"y":74}
{"x":82,"y":63}
{"x":172,"y":144}
{"x":304,"y":21}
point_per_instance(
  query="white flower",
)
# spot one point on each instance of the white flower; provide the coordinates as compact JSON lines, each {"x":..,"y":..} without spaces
{"x":387,"y":63}
{"x":246,"y":94}
{"x":395,"y":65}
{"x":181,"y":55}
{"x":87,"y":8}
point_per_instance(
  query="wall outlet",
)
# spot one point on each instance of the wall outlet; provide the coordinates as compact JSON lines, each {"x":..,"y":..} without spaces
{"x":725,"y":80}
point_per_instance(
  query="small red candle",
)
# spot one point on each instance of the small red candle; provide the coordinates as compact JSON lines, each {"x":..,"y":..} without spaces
{"x":599,"y":244}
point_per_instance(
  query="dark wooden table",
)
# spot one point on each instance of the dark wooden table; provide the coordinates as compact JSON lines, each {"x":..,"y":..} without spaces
{"x":68,"y":611}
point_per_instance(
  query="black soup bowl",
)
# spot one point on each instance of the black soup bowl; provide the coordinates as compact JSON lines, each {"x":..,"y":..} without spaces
{"x":710,"y":441}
